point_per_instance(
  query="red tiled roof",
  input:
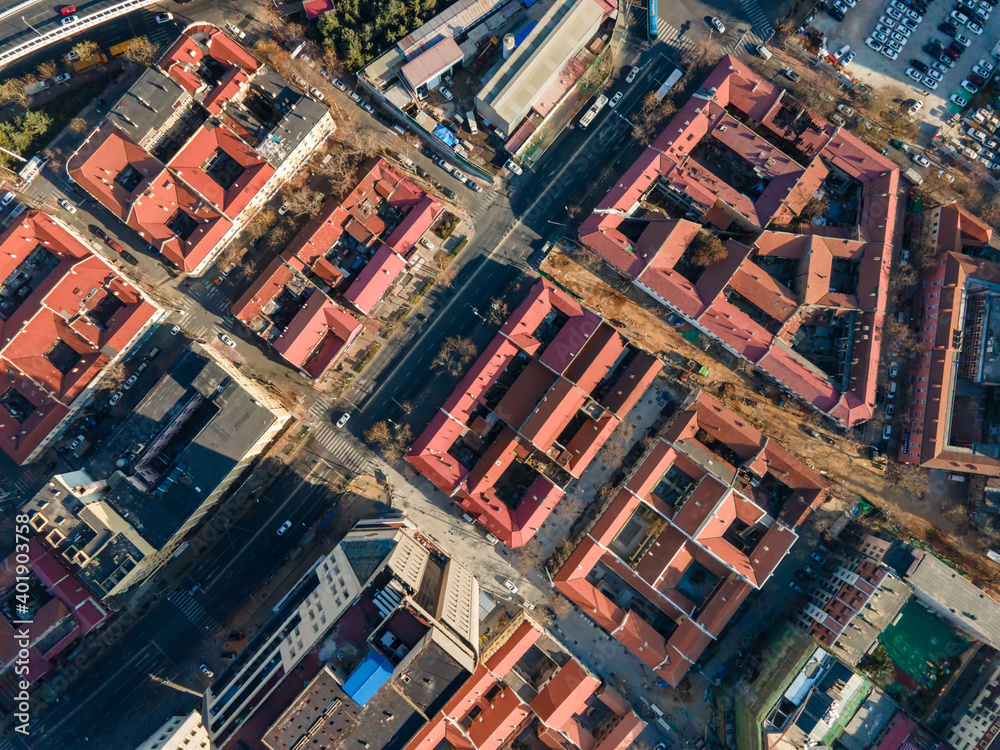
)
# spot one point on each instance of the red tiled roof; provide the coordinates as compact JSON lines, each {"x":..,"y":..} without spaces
{"x":318,"y":336}
{"x":789,"y":184}
{"x":58,"y":311}
{"x":375,"y":279}
{"x":187,"y":51}
{"x":564,"y":694}
{"x":263,"y":289}
{"x":190,"y":165}
{"x":414,"y":224}
{"x":104,"y":155}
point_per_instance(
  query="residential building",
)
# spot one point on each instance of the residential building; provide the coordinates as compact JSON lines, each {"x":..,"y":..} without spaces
{"x":40,"y":598}
{"x":66,"y":315}
{"x":195,"y":432}
{"x":701,"y":522}
{"x":198,"y":145}
{"x":385,"y":602}
{"x":955,"y":370}
{"x":179,"y":733}
{"x":905,"y":734}
{"x":529,"y":689}
{"x":802,"y":301}
{"x":850,"y":604}
{"x":975,"y":723}
{"x":354,"y":249}
{"x":532,"y":413}
{"x":869,"y":723}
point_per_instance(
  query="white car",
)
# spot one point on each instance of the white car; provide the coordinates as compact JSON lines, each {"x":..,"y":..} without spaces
{"x":849,"y":59}
{"x":340,"y":84}
{"x":285,"y":208}
{"x":718,"y":24}
{"x":317,"y":94}
{"x":284,"y":527}
{"x":227,"y":341}
{"x":206,"y":671}
{"x":175,"y":330}
{"x":982,"y":72}
{"x":76,"y":441}
{"x":165,"y":18}
{"x":914,"y":15}
{"x":631,"y":75}
{"x":890,"y":53}
{"x":62,"y":78}
{"x":963,"y":40}
{"x":70,"y":19}
{"x":114,"y":399}
{"x":509,"y":585}
{"x":615,"y":99}
{"x":130,"y":382}
{"x":845,"y":110}
{"x":344,"y":419}
{"x":935,"y":74}
{"x":970,"y":87}
{"x":445,"y":93}
{"x":893,"y":13}
{"x":915,"y":107}
{"x":986,"y":65}
{"x":931,"y":83}
{"x":878,"y":36}
{"x":877,"y":46}
{"x":842,"y":51}
{"x":67,"y":205}
{"x":959,"y":100}
{"x":7,"y":199}
{"x":974,"y":27}
{"x":72,"y":55}
{"x":920,"y":159}
{"x":514,"y":167}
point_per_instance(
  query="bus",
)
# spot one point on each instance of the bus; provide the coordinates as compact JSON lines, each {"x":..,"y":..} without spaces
{"x":653,"y":22}
{"x":120,"y":49}
{"x":591,"y":113}
{"x":30,"y":170}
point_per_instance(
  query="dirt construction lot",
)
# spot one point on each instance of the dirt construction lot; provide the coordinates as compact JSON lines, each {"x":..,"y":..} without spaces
{"x":930,"y":518}
{"x":883,"y":74}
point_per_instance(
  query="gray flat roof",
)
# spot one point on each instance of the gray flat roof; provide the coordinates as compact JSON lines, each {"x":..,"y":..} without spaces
{"x":886,"y":603}
{"x":293,"y":128}
{"x":517,"y":83}
{"x":222,"y":424}
{"x":975,"y":609}
{"x":868,"y":723}
{"x":146,"y":105}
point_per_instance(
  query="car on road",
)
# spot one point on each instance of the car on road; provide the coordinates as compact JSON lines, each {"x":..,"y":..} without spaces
{"x":718,"y":24}
{"x":164,"y":17}
{"x":67,"y":205}
{"x":961,"y":101}
{"x":615,"y":99}
{"x":915,"y":107}
{"x":446,"y":93}
{"x":343,"y":419}
{"x":175,"y":330}
{"x":475,"y":186}
{"x":509,"y":585}
{"x":817,"y":557}
{"x":284,"y":527}
{"x":514,"y":167}
{"x":70,"y":20}
{"x":67,"y":10}
{"x":206,"y":671}
{"x":920,"y":159}
{"x":114,"y":399}
{"x":340,"y":84}
{"x":791,"y":75}
{"x":62,"y":78}
{"x":632,"y":74}
{"x":130,"y":382}
{"x":227,"y":341}
{"x":7,"y":199}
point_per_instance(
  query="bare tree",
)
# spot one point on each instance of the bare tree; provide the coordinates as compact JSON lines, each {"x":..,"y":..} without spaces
{"x":47,"y":70}
{"x":85,"y":49}
{"x":989,"y":209}
{"x":899,"y":340}
{"x":707,"y":249}
{"x":526,"y":559}
{"x":499,"y":310}
{"x":618,"y":445}
{"x":14,"y":90}
{"x":904,"y":277}
{"x":390,"y":438}
{"x":303,"y":200}
{"x":906,"y":477}
{"x":142,"y":51}
{"x":113,"y":377}
{"x":78,"y":124}
{"x":456,"y":352}
{"x":379,"y":434}
{"x":260,"y":223}
{"x":278,"y":236}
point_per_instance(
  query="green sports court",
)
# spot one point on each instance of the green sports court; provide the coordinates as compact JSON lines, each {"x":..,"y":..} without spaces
{"x":919,"y":640}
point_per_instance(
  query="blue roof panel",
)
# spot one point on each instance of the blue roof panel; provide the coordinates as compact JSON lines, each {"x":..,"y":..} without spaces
{"x":366,"y":680}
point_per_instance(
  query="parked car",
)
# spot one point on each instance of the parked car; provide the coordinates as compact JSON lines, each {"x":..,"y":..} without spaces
{"x":8,"y":198}
{"x":114,"y":399}
{"x":791,"y":75}
{"x":509,"y":585}
{"x":317,"y":94}
{"x":632,"y":74}
{"x":340,"y":84}
{"x":130,"y":382}
{"x":175,"y":330}
{"x":62,"y":78}
{"x":76,"y":441}
{"x":114,"y":245}
{"x":961,"y":101}
{"x":128,"y":257}
{"x":796,"y":588}
{"x":915,"y":107}
{"x":206,"y":671}
{"x":817,"y":557}
{"x":164,"y":17}
{"x":446,"y":93}
{"x":920,"y":160}
{"x":67,"y":205}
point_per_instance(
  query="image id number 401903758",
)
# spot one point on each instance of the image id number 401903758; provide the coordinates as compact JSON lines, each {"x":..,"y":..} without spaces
{"x":22,"y":623}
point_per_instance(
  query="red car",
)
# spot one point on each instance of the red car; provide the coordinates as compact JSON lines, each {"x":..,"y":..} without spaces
{"x":115,"y":246}
{"x":68,"y":10}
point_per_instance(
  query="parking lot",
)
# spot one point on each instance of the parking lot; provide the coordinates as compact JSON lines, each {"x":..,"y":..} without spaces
{"x":885,"y":75}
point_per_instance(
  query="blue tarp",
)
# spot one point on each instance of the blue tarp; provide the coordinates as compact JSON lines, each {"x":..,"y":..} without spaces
{"x":523,"y":33}
{"x":366,"y":680}
{"x":446,"y":135}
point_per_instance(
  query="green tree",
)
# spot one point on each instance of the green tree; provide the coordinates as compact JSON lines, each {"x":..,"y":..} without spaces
{"x":877,"y":665}
{"x":19,"y":134}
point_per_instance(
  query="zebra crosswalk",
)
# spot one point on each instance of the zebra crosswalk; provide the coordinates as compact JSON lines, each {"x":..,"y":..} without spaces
{"x":320,"y":411}
{"x":340,"y":448}
{"x":673,"y":38}
{"x":191,"y":609}
{"x":762,"y":25}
